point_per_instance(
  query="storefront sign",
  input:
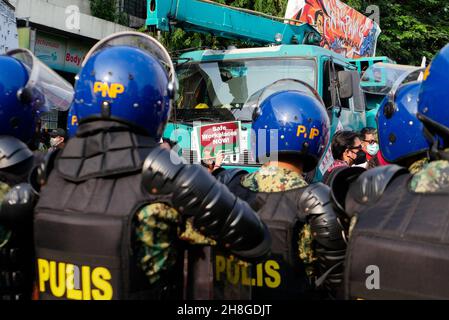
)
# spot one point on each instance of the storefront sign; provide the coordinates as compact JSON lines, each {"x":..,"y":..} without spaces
{"x":60,"y":53}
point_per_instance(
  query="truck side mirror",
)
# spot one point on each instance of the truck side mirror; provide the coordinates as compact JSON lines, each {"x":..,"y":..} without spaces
{"x":345,"y":81}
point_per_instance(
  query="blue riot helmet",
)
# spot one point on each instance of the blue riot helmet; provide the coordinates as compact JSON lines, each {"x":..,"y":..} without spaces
{"x":291,"y":120}
{"x":433,"y":103}
{"x":33,"y":89}
{"x":27,"y":89}
{"x":128,"y":77}
{"x":400,"y":132}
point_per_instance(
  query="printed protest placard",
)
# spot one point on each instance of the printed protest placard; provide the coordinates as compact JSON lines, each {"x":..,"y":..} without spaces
{"x":218,"y":138}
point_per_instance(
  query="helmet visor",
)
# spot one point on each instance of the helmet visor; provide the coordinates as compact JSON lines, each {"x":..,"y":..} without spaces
{"x":46,"y":90}
{"x":410,"y":76}
{"x":380,"y":78}
{"x":141,"y":41}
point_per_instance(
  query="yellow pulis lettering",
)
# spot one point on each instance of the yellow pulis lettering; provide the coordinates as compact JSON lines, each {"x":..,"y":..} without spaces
{"x":57,"y":279}
{"x":220,"y":266}
{"x":266,"y":273}
{"x":246,"y":279}
{"x":43,"y":268}
{"x":65,"y":280}
{"x":232,"y":271}
{"x":72,"y":293}
{"x":274,"y":279}
{"x":100,"y":278}
{"x":85,"y":272}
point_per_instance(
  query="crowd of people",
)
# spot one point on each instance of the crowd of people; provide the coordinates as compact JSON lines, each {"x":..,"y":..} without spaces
{"x":111,"y":212}
{"x":351,"y":148}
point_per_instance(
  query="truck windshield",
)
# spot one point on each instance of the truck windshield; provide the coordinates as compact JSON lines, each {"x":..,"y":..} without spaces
{"x":221,"y":90}
{"x":380,"y":77}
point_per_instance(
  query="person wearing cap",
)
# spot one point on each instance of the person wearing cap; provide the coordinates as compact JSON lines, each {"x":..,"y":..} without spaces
{"x":57,"y":139}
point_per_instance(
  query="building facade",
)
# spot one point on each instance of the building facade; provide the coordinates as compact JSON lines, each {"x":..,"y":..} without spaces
{"x":8,"y":28}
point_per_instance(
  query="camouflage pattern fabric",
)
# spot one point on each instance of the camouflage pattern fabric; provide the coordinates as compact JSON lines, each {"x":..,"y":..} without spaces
{"x":418,"y":166}
{"x":433,"y":177}
{"x":271,"y":178}
{"x":305,"y":249}
{"x":192,"y":236}
{"x":5,"y":234}
{"x":158,"y":229}
{"x":156,"y":233}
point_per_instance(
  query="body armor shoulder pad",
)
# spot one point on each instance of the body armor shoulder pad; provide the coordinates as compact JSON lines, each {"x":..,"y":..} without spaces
{"x":160,"y":169}
{"x":40,"y":173}
{"x":340,"y":182}
{"x":12,"y":151}
{"x":226,"y":176}
{"x":323,"y":217}
{"x":369,"y":187}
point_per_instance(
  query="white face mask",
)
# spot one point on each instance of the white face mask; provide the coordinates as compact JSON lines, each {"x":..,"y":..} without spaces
{"x":54,"y":142}
{"x":372,"y":149}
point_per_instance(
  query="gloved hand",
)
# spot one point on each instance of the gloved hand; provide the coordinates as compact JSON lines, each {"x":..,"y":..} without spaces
{"x":18,"y":206}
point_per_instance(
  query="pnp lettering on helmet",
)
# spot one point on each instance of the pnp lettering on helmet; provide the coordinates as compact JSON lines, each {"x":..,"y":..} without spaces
{"x":312,"y":134}
{"x":107,"y":90}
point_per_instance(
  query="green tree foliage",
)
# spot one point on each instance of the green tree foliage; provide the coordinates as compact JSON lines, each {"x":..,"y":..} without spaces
{"x":411,"y":29}
{"x":104,"y":9}
{"x":108,"y":10}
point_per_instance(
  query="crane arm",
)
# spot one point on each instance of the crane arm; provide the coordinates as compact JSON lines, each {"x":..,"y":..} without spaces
{"x":224,"y":21}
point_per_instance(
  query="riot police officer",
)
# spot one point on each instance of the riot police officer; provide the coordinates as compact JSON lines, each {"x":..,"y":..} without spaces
{"x":290,"y":134}
{"x":399,"y":246}
{"x":106,"y":223}
{"x":23,"y":84}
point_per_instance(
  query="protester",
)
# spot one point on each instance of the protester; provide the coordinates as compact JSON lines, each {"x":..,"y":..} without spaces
{"x":346,"y":150}
{"x":57,"y":139}
{"x":370,"y":145}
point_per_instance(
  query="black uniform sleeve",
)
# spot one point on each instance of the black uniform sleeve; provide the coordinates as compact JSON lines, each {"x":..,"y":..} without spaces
{"x":17,"y":207}
{"x":328,"y":227}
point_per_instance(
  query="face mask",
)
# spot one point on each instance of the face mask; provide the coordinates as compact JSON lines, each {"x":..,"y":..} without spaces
{"x":361,"y":157}
{"x":372,"y":148}
{"x":54,"y":142}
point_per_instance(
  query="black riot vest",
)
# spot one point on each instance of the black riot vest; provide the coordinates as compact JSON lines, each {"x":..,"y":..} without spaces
{"x":399,"y":248}
{"x":17,"y":255}
{"x":16,"y":265}
{"x":282,"y":275}
{"x":85,"y":219}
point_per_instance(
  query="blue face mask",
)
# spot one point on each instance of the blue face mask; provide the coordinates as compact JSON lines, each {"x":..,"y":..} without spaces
{"x":372,"y":149}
